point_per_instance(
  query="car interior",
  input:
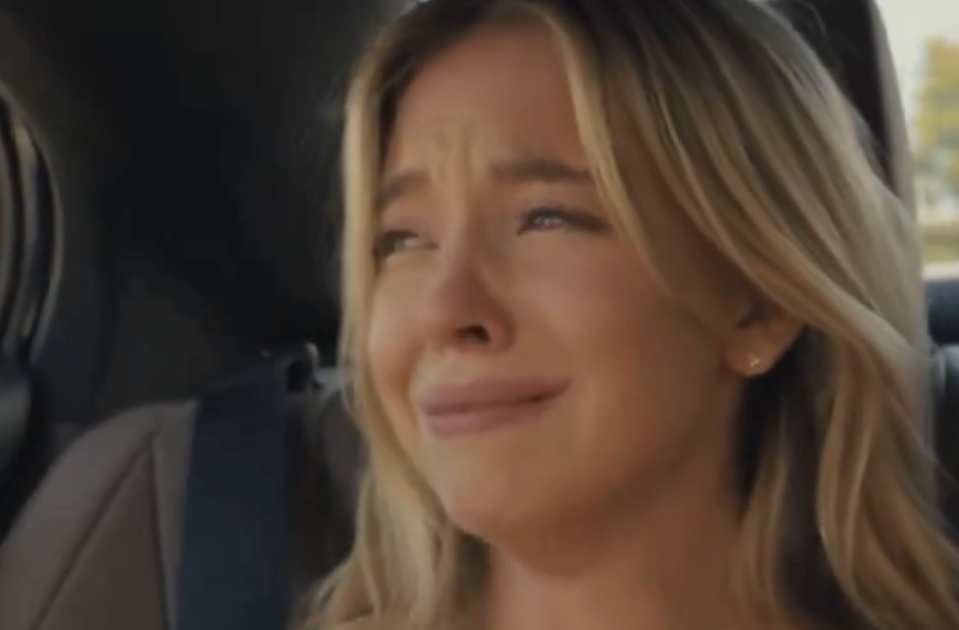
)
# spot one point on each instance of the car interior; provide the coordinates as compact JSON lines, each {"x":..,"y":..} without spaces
{"x":168,"y":220}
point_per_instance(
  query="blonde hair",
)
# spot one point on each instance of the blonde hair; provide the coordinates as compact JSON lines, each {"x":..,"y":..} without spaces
{"x":762,"y":153}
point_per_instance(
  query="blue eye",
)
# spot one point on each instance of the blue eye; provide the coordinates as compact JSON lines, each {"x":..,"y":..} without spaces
{"x":546,"y":218}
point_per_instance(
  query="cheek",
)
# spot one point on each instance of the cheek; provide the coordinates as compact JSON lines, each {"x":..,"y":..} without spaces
{"x":391,"y":352}
{"x":646,"y":367}
{"x":607,"y":309}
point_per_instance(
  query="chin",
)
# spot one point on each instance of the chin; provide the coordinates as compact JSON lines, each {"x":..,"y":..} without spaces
{"x":495,"y":512}
{"x":493,"y":485}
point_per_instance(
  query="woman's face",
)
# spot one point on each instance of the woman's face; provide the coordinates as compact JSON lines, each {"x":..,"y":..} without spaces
{"x":525,"y":359}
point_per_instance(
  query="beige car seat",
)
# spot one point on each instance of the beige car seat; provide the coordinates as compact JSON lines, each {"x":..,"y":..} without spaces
{"x":99,"y":545}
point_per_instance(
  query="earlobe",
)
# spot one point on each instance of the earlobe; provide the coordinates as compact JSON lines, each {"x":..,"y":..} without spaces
{"x":749,"y":364}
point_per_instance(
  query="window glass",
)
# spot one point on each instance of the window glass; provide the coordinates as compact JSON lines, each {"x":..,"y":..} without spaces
{"x":924,"y":36}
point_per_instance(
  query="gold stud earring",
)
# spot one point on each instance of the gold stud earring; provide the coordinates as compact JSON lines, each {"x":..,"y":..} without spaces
{"x":754,"y":363}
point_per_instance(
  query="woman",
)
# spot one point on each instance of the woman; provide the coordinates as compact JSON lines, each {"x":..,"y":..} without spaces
{"x":636,"y":332}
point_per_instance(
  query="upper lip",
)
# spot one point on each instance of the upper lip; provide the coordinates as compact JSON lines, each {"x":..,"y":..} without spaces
{"x":486,"y":394}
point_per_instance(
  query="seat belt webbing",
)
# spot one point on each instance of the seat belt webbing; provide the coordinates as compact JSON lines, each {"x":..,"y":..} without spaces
{"x":233,"y":573}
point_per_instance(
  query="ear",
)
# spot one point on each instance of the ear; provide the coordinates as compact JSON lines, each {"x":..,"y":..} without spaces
{"x":761,"y":336}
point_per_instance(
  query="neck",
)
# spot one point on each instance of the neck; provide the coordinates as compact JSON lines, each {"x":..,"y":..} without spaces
{"x":665,"y":564}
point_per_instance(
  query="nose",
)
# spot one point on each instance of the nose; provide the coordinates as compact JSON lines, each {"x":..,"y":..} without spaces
{"x":464,"y":306}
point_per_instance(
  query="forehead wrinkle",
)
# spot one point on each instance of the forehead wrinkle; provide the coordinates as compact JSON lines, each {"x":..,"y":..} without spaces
{"x":456,"y":149}
{"x":451,"y":152}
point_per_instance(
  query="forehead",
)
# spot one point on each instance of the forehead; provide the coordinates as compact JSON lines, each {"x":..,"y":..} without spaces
{"x":501,"y":87}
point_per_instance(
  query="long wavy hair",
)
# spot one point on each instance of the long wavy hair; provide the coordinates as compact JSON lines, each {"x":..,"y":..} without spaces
{"x":765,"y":157}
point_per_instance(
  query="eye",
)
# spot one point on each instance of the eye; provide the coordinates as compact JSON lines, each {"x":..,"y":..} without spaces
{"x":543,"y":218}
{"x":390,"y":242}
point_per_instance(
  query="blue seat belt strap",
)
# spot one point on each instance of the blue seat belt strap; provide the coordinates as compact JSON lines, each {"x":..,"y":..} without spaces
{"x":233,"y":573}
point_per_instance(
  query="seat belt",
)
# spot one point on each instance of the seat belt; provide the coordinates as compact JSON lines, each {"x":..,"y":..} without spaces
{"x":233,"y":573}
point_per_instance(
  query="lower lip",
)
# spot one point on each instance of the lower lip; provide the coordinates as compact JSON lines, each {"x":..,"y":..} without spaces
{"x":481,"y":420}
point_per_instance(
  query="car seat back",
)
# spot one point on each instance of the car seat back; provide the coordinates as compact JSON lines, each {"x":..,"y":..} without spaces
{"x":105,"y":544}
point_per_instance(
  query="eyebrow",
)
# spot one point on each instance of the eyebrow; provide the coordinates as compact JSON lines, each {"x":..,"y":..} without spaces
{"x":517,"y":171}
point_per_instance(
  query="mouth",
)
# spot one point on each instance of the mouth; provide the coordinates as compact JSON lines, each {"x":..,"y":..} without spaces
{"x":477,"y":406}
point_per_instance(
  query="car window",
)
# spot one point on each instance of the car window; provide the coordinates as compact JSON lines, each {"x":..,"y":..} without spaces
{"x":924,"y":36}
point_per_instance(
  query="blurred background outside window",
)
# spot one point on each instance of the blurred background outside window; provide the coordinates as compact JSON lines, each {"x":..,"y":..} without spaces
{"x":924,"y":35}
